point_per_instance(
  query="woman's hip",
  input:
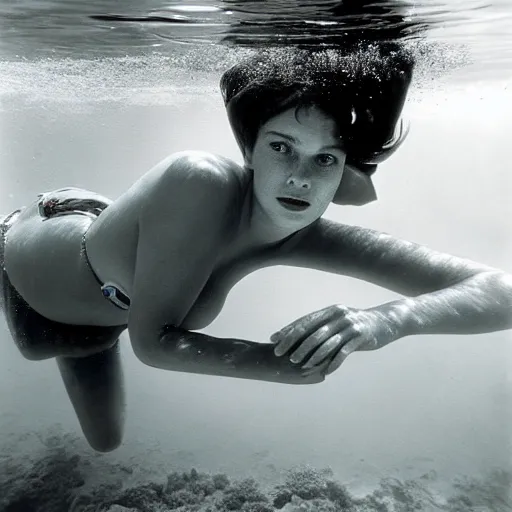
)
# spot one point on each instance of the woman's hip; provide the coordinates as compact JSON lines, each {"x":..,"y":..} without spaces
{"x":36,"y":335}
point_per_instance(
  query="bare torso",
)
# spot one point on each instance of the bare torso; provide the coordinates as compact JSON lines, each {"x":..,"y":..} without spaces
{"x":44,"y":261}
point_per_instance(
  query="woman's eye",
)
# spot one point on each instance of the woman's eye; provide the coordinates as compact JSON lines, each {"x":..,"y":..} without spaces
{"x":280,"y":147}
{"x":326,"y":160}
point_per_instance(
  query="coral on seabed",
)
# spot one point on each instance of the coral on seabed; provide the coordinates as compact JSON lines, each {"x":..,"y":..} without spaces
{"x":309,"y":484}
{"x":57,"y":482}
{"x":47,"y":485}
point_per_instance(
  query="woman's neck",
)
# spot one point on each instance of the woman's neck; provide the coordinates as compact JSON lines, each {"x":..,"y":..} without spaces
{"x":256,"y":228}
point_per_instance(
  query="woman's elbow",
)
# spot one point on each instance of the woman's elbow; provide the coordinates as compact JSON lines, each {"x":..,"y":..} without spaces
{"x":144,"y":357}
{"x":151,"y":348}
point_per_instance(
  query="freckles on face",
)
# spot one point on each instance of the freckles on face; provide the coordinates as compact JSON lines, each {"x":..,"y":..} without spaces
{"x":298,"y":163}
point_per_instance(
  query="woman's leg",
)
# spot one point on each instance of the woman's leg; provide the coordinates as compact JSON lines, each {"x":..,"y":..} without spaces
{"x":95,"y":386}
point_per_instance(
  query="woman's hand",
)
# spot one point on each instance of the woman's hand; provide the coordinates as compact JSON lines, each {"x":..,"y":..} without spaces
{"x":322,"y":340}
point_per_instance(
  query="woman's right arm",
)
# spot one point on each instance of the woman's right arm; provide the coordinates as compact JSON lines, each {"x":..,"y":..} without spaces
{"x":193,"y":352}
{"x":183,"y":225}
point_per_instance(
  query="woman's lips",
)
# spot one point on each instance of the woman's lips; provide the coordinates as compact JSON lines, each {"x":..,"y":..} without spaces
{"x":293,"y":204}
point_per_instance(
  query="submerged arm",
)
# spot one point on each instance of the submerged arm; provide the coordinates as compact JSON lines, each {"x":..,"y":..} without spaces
{"x":192,"y":352}
{"x":445,"y":294}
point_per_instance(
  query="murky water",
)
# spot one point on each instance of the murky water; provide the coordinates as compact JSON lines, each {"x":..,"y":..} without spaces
{"x":92,"y":94}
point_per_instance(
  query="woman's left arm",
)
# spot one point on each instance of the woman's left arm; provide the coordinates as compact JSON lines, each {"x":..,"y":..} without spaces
{"x":444,"y":294}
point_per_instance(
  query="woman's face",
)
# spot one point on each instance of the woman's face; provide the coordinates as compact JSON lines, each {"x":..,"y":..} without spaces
{"x":298,"y":163}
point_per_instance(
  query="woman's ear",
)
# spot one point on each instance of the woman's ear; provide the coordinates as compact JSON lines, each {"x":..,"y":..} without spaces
{"x":356,"y":188}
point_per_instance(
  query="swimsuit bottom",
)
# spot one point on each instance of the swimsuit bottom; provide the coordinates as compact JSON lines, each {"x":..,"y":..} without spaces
{"x":35,"y":334}
{"x":52,"y":205}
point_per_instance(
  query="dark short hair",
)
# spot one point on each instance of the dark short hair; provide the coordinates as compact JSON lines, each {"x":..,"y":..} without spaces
{"x":363,"y":89}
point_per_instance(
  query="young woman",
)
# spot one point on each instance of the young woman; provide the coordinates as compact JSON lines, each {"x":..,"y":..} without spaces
{"x":79,"y":269}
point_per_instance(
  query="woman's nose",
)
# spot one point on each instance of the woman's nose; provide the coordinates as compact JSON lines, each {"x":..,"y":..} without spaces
{"x":299,"y":182}
{"x":300,"y":177}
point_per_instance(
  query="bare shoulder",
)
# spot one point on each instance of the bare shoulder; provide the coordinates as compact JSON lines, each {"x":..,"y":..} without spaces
{"x":194,"y":172}
{"x":189,"y":192}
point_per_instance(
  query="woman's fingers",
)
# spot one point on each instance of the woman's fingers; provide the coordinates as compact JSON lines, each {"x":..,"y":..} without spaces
{"x":344,"y":352}
{"x":329,"y":348}
{"x":322,"y":361}
{"x":286,"y":338}
{"x":322,"y":340}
